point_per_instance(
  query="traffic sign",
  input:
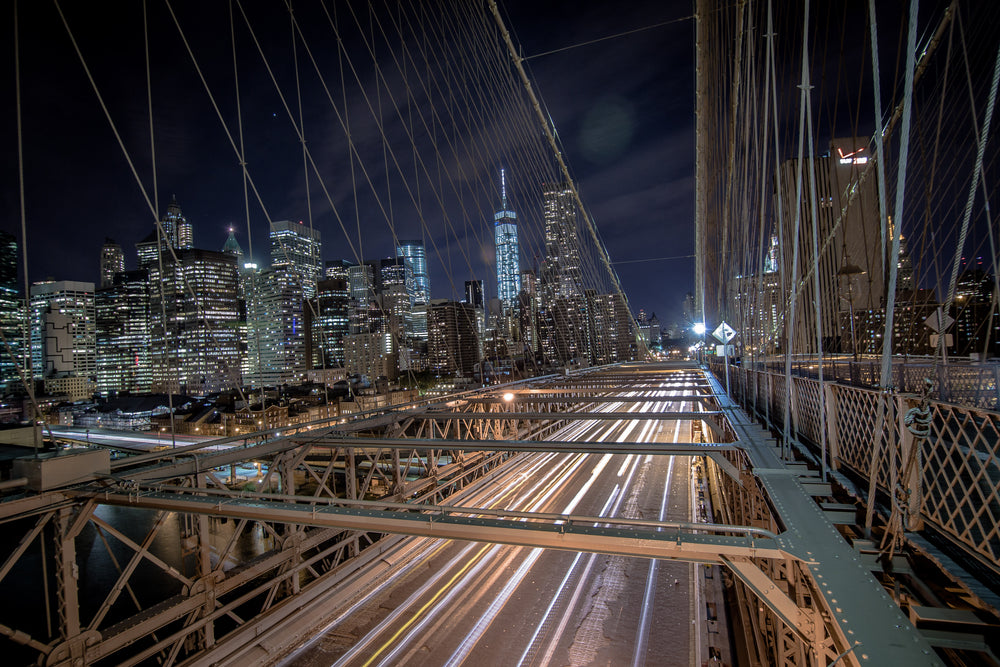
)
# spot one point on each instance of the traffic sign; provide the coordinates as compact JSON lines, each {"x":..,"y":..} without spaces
{"x":724,"y":333}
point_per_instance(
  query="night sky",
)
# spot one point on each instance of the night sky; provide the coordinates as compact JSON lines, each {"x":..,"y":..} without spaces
{"x":623,"y":110}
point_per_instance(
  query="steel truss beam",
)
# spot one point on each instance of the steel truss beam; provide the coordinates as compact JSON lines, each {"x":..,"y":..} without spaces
{"x":557,"y":446}
{"x":568,"y":533}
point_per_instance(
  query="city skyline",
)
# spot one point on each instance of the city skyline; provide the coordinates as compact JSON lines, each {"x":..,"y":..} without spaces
{"x":617,"y":185}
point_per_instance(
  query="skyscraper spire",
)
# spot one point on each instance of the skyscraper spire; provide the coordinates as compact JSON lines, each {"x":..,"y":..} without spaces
{"x":503,"y":189}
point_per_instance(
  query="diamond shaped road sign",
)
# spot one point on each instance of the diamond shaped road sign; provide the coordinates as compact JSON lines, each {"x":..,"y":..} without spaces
{"x":724,"y":333}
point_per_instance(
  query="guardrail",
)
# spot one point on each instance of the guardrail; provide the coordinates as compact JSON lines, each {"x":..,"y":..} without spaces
{"x":976,"y":384}
{"x":959,"y":460}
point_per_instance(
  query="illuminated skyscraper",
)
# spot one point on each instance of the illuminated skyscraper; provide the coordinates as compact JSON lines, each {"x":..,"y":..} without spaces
{"x":416,"y":256}
{"x":361,"y":282}
{"x":561,"y":271}
{"x":453,"y":343}
{"x":63,"y":331}
{"x":179,"y":232}
{"x":12,"y":319}
{"x":396,"y":300}
{"x":508,"y":260}
{"x":563,"y":317}
{"x":196,"y":350}
{"x":112,"y":261}
{"x":296,"y":246}
{"x":123,"y":334}
{"x":338,"y":268}
{"x":327,"y":323}
{"x":611,"y":339}
{"x":277,"y":342}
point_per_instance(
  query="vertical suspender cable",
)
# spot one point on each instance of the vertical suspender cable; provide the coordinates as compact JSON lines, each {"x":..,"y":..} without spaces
{"x":790,"y":322}
{"x":814,"y":214}
{"x":28,"y":376}
{"x":156,"y":209}
{"x":904,"y":146}
{"x":701,"y":153}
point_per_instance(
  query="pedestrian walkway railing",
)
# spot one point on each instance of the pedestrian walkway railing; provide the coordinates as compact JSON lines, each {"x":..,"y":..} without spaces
{"x":975,"y":384}
{"x":957,"y":490}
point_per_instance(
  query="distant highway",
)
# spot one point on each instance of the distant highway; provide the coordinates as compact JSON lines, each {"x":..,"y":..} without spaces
{"x":449,"y":603}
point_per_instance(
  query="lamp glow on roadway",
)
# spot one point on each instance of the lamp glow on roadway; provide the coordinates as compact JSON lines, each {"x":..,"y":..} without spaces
{"x":699,"y":328}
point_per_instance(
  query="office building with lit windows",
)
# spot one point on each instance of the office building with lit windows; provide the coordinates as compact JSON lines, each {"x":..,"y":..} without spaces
{"x":327,"y":323}
{"x":452,"y":339}
{"x":563,"y":320}
{"x":850,"y":267}
{"x":112,"y":261}
{"x":195,"y":350}
{"x":64,"y":334}
{"x":611,"y":339}
{"x":122,"y":311}
{"x":338,"y":268}
{"x":178,"y":231}
{"x":12,"y":316}
{"x":298,"y":247}
{"x":416,"y":257}
{"x":361,"y":282}
{"x":277,"y":339}
{"x":396,"y":299}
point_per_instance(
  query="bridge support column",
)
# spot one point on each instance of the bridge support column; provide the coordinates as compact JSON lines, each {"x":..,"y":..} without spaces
{"x":205,"y":568}
{"x":67,"y":575}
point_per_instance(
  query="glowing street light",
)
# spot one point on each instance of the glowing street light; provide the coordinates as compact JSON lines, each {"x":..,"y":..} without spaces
{"x":508,"y":397}
{"x":699,"y":328}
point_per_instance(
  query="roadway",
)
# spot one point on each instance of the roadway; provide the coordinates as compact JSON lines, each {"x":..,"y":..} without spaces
{"x":128,"y":441}
{"x":448,"y":603}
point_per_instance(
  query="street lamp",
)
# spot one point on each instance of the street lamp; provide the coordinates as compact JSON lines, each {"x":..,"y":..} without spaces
{"x":508,"y":397}
{"x":699,"y":330}
{"x":849,"y":270}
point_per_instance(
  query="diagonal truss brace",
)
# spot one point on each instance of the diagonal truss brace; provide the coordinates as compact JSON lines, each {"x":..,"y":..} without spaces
{"x":795,"y":617}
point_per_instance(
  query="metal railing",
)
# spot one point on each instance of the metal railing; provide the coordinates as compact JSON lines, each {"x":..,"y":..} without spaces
{"x":959,"y":460}
{"x":975,"y":384}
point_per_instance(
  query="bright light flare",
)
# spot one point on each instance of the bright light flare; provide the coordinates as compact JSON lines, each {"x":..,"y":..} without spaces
{"x":508,"y":397}
{"x":699,"y":328}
